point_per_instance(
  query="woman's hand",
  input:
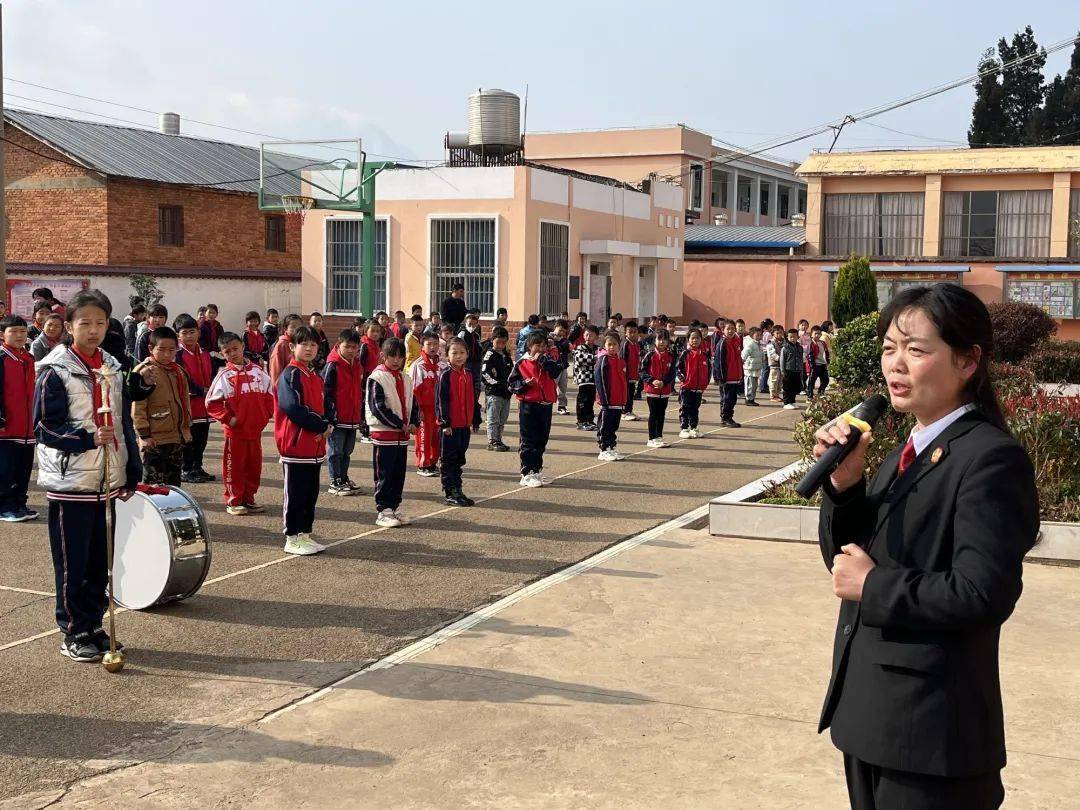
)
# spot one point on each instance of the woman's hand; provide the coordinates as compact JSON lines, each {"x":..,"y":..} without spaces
{"x":851,"y":468}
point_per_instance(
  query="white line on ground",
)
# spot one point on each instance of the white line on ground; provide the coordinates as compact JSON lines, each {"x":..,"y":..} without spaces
{"x":465,"y":623}
{"x":26,"y":590}
{"x":377,"y":529}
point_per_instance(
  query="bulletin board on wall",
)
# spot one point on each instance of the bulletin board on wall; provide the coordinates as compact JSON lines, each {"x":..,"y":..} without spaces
{"x":1057,"y":294}
{"x":20,"y":292}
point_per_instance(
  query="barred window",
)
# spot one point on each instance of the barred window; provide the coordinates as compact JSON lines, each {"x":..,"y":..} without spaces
{"x":344,"y":252}
{"x":171,"y":225}
{"x":1058,"y":297}
{"x":463,"y":251}
{"x":1010,"y":224}
{"x":888,"y":224}
{"x":554,"y":267}
{"x":697,"y":184}
{"x":275,"y":232}
{"x":1074,"y":223}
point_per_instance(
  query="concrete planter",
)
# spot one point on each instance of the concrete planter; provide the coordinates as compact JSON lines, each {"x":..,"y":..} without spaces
{"x":738,"y":515}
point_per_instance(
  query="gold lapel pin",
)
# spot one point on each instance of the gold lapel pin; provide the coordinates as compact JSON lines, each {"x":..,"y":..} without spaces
{"x":935,"y":457}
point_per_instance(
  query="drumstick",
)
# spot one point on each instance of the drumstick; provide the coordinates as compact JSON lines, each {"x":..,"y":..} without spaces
{"x":113,"y":660}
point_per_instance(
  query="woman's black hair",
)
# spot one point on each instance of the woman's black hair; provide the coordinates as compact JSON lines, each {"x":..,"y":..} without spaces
{"x":963,"y":322}
{"x":88,"y":298}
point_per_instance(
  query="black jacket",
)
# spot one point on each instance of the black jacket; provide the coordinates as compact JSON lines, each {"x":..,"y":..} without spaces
{"x":915,"y":664}
{"x":495,"y":371}
{"x":472,"y":343}
{"x":453,"y":311}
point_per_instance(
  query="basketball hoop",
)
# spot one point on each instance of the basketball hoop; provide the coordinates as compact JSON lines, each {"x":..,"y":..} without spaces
{"x":296,"y":206}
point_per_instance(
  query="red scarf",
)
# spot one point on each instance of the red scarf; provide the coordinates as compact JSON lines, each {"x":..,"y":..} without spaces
{"x":238,"y":383}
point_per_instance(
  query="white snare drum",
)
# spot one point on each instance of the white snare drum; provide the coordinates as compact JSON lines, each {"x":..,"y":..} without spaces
{"x":162,"y":549}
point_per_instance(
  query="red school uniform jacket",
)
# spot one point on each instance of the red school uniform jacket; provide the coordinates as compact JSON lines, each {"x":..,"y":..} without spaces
{"x":659,"y":366}
{"x":255,"y":348}
{"x":210,"y":333}
{"x":693,"y":370}
{"x":343,"y":390}
{"x":280,"y":358}
{"x":16,"y":395}
{"x":242,"y":393}
{"x":200,"y":374}
{"x":535,"y":380}
{"x":455,"y":400}
{"x":369,"y":356}
{"x":299,"y":423}
{"x":610,"y":376}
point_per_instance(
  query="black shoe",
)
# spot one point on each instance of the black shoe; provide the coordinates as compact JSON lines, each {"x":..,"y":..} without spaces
{"x":563,"y":412}
{"x":206,"y":477}
{"x":752,"y":403}
{"x":590,"y":426}
{"x":101,"y":639}
{"x":80,"y":648}
{"x":456,"y":498}
{"x":502,"y":448}
{"x":730,"y":423}
{"x":493,"y":446}
{"x":189,"y":477}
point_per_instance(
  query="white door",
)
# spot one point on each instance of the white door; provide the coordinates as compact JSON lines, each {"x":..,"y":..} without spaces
{"x":598,"y":294}
{"x":646,"y":291}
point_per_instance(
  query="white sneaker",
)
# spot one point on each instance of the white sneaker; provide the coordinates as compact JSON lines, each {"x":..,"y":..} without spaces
{"x":531,"y":480}
{"x":403,"y":519}
{"x":694,"y":433}
{"x":684,"y":434}
{"x":296,"y":544}
{"x":306,"y":537}
{"x":427,"y":472}
{"x":652,"y":443}
{"x":630,"y":417}
{"x":791,"y":407}
{"x":387,"y":519}
{"x":544,"y":479}
{"x":617,"y":455}
{"x":607,"y":455}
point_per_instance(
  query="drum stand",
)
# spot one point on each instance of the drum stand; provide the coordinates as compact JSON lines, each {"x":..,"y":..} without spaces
{"x":113,"y":660}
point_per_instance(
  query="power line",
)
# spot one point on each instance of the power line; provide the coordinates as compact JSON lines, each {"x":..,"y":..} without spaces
{"x":890,"y":106}
{"x":156,"y":113}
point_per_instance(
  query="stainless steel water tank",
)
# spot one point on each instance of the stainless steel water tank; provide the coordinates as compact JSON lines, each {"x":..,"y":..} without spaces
{"x":494,"y":121}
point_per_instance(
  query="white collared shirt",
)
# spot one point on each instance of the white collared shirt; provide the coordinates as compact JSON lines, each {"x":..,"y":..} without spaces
{"x":923,"y":437}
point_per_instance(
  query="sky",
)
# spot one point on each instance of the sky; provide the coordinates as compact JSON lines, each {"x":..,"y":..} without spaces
{"x":398,"y":75}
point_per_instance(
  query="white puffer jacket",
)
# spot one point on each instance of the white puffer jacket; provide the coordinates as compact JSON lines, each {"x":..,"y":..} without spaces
{"x":60,"y":471}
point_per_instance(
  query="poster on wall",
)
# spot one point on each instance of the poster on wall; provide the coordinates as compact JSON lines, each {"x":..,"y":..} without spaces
{"x":20,"y":292}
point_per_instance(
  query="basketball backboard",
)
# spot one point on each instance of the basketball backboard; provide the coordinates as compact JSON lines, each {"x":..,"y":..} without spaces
{"x":330,"y":172}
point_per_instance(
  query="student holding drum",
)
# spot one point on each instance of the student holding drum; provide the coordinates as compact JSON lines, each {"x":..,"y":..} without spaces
{"x":72,"y":438}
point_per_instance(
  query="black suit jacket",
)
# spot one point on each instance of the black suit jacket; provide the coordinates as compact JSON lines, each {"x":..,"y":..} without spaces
{"x":915,"y":664}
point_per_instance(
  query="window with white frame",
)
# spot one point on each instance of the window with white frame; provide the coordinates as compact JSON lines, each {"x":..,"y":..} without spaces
{"x":1074,"y":223}
{"x":463,"y":252}
{"x":1013,"y":224}
{"x":697,"y":185}
{"x":874,"y":224}
{"x":719,"y":188}
{"x":554,"y":267}
{"x":344,"y":273}
{"x":1057,"y":296}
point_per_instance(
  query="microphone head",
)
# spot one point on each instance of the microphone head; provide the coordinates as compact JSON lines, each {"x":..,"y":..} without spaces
{"x":872,"y":409}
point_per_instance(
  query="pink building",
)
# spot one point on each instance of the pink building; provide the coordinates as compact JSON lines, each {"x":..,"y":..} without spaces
{"x":530,"y":238}
{"x":718,"y":183}
{"x":1002,"y":222}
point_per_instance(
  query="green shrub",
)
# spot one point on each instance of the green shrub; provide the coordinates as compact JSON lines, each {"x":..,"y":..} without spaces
{"x":1056,"y":361}
{"x":1018,"y":328}
{"x":855,"y":292}
{"x":145,"y":289}
{"x":856,"y":354}
{"x":1049,"y":428}
{"x":1010,"y":380}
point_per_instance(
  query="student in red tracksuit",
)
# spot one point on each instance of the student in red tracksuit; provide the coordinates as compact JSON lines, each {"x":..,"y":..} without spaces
{"x":210,"y":330}
{"x":369,"y":356}
{"x":612,"y":392}
{"x":533,"y":380}
{"x":392,"y":416}
{"x":424,"y":375}
{"x":344,"y":392}
{"x":455,"y":400}
{"x":658,"y":378}
{"x":241,"y":398}
{"x":576,"y":336}
{"x":16,"y":420}
{"x":281,"y":353}
{"x":631,"y":357}
{"x":301,"y":430}
{"x":255,"y":348}
{"x":728,"y":372}
{"x":692,"y":370}
{"x":199,"y":367}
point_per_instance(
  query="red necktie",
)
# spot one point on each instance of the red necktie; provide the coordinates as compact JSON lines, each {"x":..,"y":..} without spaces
{"x":907,"y":456}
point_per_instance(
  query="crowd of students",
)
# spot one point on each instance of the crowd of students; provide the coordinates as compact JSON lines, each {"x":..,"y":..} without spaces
{"x":385,"y":381}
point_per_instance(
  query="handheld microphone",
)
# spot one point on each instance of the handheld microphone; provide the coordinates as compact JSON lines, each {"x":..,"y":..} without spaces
{"x":862,"y":419}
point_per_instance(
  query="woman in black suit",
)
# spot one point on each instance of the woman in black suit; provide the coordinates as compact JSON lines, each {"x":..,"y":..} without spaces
{"x":928,"y":560}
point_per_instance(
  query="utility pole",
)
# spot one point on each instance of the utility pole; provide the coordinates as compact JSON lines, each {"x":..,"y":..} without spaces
{"x":3,"y":179}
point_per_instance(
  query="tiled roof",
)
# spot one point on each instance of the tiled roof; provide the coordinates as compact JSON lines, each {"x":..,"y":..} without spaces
{"x":745,"y":236}
{"x":146,"y":154}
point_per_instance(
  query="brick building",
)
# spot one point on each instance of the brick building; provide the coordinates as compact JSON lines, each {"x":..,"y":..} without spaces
{"x":93,"y":204}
